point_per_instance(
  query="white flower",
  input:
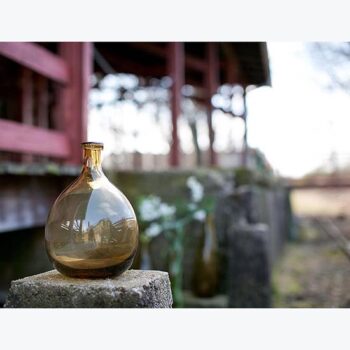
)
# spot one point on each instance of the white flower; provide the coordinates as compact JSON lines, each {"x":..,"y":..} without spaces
{"x":199,"y":215}
{"x":191,"y":206}
{"x":153,"y":208}
{"x":153,"y":230}
{"x":149,"y":208}
{"x":196,"y":188}
{"x":166,"y":210}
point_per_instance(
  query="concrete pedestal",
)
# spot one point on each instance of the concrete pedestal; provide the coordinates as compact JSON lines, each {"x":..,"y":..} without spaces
{"x":133,"y":289}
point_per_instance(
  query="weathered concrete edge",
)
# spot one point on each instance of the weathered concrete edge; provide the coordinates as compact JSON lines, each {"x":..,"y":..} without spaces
{"x":30,"y":293}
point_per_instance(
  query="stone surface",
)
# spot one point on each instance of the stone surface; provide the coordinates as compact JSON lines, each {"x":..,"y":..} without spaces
{"x":133,"y":289}
{"x":249,"y":266}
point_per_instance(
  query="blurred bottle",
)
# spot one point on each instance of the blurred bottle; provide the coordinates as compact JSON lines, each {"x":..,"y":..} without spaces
{"x":205,"y":276}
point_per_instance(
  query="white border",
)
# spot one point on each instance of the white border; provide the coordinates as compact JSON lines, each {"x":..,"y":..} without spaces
{"x":159,"y":20}
{"x":174,"y":329}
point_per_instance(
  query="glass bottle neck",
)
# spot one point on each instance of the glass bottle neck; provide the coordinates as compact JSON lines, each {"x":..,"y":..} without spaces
{"x":92,"y":159}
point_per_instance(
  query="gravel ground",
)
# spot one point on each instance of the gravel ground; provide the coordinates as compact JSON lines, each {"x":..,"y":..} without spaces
{"x":312,"y":272}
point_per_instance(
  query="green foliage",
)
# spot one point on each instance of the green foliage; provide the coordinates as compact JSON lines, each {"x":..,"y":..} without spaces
{"x":171,"y":219}
{"x":243,"y":176}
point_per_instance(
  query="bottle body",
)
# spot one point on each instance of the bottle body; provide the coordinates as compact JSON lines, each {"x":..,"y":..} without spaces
{"x":91,"y":231}
{"x":205,"y":279}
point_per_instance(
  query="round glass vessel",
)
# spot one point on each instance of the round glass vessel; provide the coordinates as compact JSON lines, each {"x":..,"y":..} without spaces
{"x":91,"y":230}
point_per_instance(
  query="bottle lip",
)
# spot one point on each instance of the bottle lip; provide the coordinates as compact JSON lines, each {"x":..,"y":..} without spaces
{"x":91,"y":145}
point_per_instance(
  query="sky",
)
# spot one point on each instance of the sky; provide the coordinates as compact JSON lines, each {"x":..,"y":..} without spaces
{"x":297,"y":123}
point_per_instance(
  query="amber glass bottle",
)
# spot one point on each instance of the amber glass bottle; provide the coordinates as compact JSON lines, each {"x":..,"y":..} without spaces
{"x":91,"y":230}
{"x":205,"y":278}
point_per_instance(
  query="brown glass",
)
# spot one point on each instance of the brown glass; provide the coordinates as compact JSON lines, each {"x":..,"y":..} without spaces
{"x":91,"y":230}
{"x":205,"y":277}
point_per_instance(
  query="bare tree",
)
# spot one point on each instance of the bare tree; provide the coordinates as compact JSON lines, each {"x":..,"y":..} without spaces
{"x":333,"y":58}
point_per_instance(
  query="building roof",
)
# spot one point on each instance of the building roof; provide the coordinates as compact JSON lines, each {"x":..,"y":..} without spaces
{"x":244,"y":63}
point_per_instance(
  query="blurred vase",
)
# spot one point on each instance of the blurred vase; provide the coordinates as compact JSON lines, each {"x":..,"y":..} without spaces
{"x":91,"y":230}
{"x":205,"y":274}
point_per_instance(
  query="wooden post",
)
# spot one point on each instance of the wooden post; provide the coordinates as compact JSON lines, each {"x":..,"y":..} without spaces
{"x":41,"y":110}
{"x":212,"y":84}
{"x":176,"y":70}
{"x":245,"y":136}
{"x":42,"y":97}
{"x":73,"y":99}
{"x":27,"y":96}
{"x":233,"y":69}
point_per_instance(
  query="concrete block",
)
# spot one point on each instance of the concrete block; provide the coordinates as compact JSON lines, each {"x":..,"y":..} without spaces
{"x":133,"y":289}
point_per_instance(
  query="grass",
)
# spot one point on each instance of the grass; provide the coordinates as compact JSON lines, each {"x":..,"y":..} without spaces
{"x":313,"y":272}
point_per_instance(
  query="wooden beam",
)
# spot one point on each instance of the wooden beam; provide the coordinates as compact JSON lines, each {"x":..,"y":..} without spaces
{"x":150,"y":48}
{"x":195,"y":63}
{"x":73,"y":100}
{"x":28,"y":139}
{"x":176,"y":70}
{"x":122,"y":64}
{"x":38,"y":59}
{"x":191,"y":62}
{"x":212,"y":84}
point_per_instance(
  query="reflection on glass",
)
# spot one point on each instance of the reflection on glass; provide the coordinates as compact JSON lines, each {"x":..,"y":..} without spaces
{"x":91,"y":230}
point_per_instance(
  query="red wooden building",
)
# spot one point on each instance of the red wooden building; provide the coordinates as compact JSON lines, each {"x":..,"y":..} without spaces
{"x":44,"y":87}
{"x":44,"y":90}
